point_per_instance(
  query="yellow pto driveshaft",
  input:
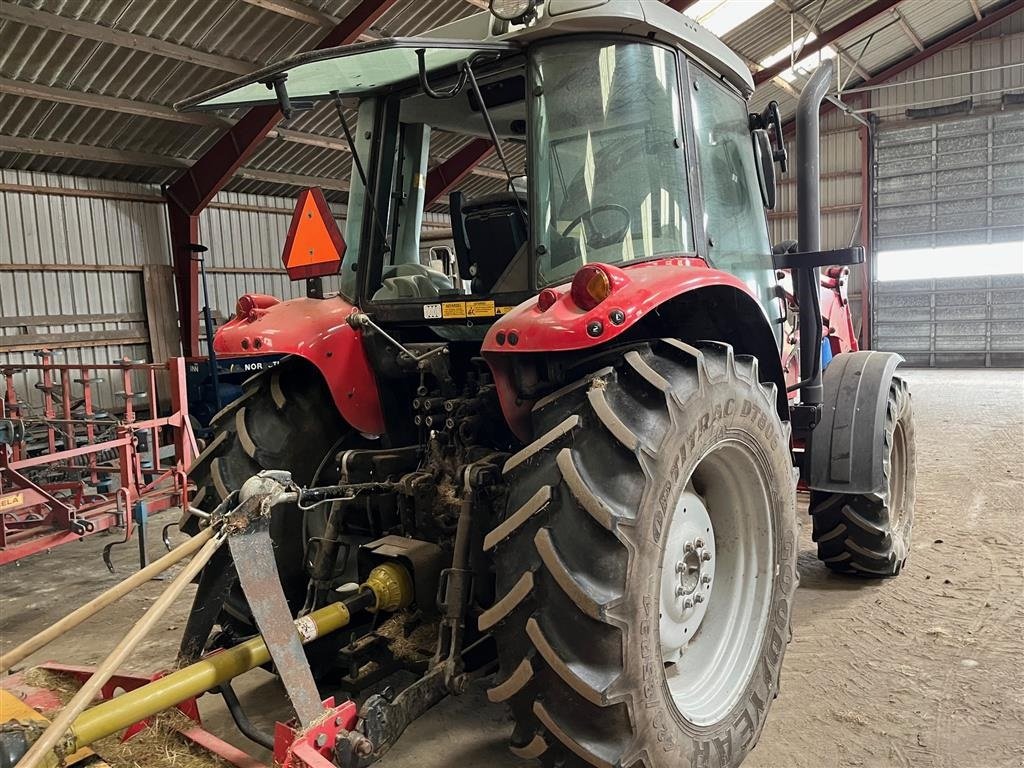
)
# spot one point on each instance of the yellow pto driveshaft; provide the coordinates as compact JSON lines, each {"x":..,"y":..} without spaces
{"x":388,"y":588}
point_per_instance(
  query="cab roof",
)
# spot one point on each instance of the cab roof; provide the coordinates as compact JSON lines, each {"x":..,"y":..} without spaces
{"x":363,"y":68}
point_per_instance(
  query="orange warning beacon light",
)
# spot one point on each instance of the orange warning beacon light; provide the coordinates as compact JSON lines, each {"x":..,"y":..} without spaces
{"x":314,"y":246}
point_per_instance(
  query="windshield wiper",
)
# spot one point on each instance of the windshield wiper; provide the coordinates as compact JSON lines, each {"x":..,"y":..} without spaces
{"x":357,"y":161}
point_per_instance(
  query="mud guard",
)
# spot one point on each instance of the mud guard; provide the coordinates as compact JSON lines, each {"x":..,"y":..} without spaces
{"x":677,"y":297}
{"x":318,"y":331}
{"x":845,"y":450}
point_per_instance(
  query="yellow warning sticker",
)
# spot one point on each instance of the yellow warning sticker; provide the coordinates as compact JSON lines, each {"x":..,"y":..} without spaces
{"x":11,"y":500}
{"x":479,"y":309}
{"x":453,"y":309}
{"x":503,"y":310}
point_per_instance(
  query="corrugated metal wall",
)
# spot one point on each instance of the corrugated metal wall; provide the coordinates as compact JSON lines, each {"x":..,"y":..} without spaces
{"x":73,"y":262}
{"x":953,"y":180}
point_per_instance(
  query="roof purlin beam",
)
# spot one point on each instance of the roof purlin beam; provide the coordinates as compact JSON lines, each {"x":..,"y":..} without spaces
{"x":87,"y":153}
{"x":908,"y":30}
{"x":110,"y":103}
{"x":809,"y":24}
{"x":76,"y":28}
{"x":298,"y":11}
{"x":828,"y":36}
{"x":303,"y":13}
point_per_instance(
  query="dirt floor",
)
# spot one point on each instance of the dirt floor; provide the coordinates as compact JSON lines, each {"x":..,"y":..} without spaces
{"x":926,"y":670}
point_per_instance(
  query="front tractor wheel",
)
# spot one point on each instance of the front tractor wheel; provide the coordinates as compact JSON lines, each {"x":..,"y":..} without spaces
{"x":646,"y":564}
{"x":868,"y":535}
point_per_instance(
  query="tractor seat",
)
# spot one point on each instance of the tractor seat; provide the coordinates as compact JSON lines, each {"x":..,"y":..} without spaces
{"x":487,"y":234}
{"x":412,"y":281}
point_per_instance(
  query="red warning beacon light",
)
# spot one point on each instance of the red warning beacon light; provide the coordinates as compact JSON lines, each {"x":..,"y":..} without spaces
{"x":314,"y":246}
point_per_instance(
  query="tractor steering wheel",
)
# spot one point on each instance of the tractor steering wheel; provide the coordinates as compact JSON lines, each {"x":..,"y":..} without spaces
{"x":600,"y":239}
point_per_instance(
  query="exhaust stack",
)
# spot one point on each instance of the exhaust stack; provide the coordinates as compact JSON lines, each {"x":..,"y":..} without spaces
{"x":806,"y":279}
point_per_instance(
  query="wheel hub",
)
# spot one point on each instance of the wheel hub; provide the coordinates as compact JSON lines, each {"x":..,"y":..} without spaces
{"x":687,"y":574}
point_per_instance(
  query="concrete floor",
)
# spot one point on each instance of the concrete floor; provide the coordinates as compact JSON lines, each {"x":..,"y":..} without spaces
{"x":925,"y":670}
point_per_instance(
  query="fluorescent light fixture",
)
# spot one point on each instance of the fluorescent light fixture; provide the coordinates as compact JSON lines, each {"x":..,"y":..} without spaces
{"x":806,"y":65}
{"x":951,"y":261}
{"x":722,"y":16}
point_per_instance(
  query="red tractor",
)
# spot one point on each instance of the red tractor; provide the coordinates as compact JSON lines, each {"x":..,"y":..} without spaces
{"x":585,"y":446}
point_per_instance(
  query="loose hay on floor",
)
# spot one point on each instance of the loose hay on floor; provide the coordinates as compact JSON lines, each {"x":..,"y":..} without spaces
{"x":158,"y":746}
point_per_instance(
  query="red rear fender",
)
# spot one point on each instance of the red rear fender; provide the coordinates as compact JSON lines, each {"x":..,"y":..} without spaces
{"x":636,"y":290}
{"x":317,"y":330}
{"x":557,"y":324}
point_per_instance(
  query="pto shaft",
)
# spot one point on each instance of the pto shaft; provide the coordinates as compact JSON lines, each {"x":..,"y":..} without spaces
{"x":118,"y":713}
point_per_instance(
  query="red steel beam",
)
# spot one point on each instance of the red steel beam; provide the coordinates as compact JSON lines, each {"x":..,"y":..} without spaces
{"x":196,"y":187}
{"x":453,"y":170}
{"x":830,"y":35}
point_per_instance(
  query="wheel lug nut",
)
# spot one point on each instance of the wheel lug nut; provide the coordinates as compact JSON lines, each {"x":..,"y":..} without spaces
{"x":699,"y":543}
{"x":705,"y":579}
{"x":688,"y":602}
{"x":705,"y":556}
{"x":680,"y":567}
{"x":688,"y":547}
{"x":680,"y":591}
{"x":698,"y":598}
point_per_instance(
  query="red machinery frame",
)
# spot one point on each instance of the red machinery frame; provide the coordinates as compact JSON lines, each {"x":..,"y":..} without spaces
{"x":37,"y":517}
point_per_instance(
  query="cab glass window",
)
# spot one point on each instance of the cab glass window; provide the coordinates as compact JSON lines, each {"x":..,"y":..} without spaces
{"x":734,"y":219}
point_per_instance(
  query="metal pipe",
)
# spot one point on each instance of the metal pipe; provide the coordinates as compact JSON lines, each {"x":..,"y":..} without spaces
{"x":905,"y":83}
{"x":806,"y":280}
{"x":57,"y":731}
{"x":208,"y":323}
{"x":97,"y":604}
{"x":808,"y":156}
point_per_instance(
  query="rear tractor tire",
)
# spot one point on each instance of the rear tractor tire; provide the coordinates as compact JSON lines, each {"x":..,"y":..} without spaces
{"x":285,"y":419}
{"x":868,"y":535}
{"x":646,"y":564}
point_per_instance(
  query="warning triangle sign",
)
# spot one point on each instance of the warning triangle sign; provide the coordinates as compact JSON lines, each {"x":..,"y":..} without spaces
{"x":314,"y":246}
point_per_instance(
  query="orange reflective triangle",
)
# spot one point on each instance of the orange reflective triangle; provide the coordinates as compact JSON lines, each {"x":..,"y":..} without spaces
{"x":314,"y":246}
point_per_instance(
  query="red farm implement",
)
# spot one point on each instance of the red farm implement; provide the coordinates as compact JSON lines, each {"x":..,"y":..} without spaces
{"x":71,"y":466}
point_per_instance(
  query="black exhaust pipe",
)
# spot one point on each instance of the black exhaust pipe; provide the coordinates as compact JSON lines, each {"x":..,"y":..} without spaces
{"x":806,"y":279}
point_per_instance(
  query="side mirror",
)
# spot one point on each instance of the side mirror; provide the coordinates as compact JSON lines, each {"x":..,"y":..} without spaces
{"x":765,"y":161}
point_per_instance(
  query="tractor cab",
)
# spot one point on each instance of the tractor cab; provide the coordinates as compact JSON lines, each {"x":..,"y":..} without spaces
{"x":622,"y":137}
